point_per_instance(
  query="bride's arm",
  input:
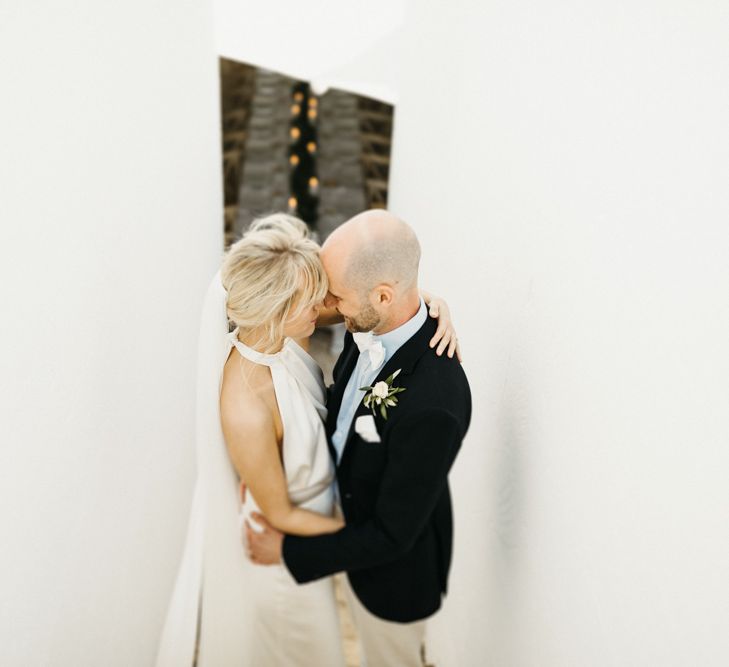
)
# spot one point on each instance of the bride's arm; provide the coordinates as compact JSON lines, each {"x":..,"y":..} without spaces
{"x":445,"y":335}
{"x":251,"y":442}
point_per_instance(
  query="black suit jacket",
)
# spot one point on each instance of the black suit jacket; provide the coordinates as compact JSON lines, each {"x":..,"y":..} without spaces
{"x":396,"y":546}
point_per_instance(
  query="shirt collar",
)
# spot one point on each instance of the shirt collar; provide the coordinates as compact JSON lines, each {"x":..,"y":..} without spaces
{"x":393,"y":340}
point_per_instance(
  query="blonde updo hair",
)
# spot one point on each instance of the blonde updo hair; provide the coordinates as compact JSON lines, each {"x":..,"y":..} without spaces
{"x":271,"y":274}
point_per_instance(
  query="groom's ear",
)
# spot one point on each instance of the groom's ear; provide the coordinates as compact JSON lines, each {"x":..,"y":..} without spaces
{"x":382,"y":295}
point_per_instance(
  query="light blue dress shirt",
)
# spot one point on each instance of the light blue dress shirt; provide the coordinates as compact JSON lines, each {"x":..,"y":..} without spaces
{"x":363,"y":374}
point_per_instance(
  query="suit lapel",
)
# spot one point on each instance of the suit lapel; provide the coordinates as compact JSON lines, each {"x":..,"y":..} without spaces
{"x":389,"y":368}
{"x":405,"y":359}
{"x":347,"y":361}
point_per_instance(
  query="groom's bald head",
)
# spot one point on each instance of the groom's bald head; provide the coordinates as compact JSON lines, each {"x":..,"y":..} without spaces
{"x":372,"y":264}
{"x":374,"y":247}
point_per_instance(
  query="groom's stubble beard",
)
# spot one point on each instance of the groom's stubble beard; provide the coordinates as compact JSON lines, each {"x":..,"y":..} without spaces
{"x":365,"y":320}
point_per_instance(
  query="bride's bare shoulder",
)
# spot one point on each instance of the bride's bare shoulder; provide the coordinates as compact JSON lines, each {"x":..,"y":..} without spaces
{"x":245,"y":384}
{"x":247,"y":426}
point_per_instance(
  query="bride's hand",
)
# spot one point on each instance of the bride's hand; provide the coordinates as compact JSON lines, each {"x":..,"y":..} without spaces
{"x":445,"y":335}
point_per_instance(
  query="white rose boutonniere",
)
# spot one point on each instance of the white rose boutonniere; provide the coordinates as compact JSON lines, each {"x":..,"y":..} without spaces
{"x":382,"y":393}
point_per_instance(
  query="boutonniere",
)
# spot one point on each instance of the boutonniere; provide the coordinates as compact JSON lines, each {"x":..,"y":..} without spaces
{"x":382,"y":393}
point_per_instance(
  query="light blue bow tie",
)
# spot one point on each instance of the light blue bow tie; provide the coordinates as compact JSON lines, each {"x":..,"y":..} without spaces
{"x":374,"y":348}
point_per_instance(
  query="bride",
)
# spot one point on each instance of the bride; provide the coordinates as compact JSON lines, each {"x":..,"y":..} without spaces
{"x":261,"y":406}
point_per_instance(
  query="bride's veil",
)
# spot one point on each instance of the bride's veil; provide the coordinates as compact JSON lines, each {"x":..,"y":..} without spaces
{"x":207,"y":605}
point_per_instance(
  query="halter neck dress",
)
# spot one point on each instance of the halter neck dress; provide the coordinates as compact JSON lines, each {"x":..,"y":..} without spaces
{"x":301,"y":396}
{"x":287,"y":624}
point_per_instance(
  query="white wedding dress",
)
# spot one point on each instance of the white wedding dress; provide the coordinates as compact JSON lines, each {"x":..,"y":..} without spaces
{"x":226,"y":611}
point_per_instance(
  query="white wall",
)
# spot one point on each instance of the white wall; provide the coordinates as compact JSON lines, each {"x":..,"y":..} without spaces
{"x":565,"y":166}
{"x":110,"y":230}
{"x":587,"y":155}
{"x":309,"y":40}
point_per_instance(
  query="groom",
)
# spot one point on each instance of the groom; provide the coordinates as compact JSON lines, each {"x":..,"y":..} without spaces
{"x":392,"y":455}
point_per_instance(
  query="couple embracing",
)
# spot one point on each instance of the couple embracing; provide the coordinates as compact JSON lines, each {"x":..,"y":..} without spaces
{"x":350,"y":478}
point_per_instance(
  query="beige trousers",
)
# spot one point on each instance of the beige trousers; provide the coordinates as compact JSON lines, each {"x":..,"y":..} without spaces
{"x":385,"y":643}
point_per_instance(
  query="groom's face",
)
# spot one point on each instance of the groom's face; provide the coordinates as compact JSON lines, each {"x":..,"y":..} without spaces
{"x":352,"y":305}
{"x":355,"y":308}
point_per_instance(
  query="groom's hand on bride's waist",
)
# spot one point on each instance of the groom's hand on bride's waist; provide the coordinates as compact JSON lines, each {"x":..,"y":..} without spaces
{"x":264,"y":547}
